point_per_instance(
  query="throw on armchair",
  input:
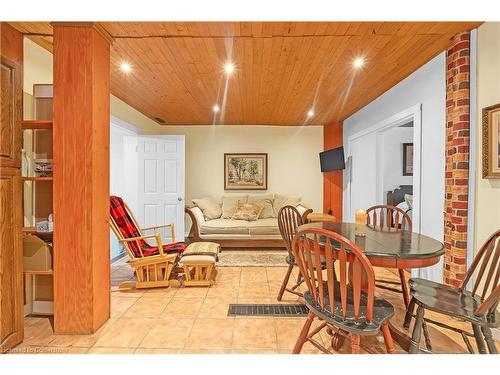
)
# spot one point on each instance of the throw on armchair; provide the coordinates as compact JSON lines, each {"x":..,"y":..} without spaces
{"x":152,"y":263}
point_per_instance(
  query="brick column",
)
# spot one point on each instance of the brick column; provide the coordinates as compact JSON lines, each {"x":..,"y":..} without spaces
{"x":457,"y":159}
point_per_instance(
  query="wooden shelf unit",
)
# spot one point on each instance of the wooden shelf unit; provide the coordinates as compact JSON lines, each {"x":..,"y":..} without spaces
{"x":34,"y":178}
{"x":36,"y":124}
{"x":39,"y":284}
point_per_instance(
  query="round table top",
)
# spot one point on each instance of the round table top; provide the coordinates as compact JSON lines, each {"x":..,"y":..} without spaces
{"x":404,"y":246}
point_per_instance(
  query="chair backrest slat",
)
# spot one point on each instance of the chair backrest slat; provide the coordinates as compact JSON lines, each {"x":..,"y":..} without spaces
{"x":318,"y":248}
{"x":289,"y":219}
{"x":485,"y":269}
{"x":388,"y":218}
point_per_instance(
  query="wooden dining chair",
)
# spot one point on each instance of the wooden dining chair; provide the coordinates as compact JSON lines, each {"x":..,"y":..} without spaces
{"x":478,"y":306}
{"x":289,"y":219}
{"x":391,"y":219}
{"x":342,"y":303}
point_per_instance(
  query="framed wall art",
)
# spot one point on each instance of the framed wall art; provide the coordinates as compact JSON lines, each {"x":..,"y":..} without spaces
{"x":491,"y":141}
{"x":245,"y":171}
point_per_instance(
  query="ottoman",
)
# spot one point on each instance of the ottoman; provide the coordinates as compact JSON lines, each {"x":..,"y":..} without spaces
{"x":198,"y":261}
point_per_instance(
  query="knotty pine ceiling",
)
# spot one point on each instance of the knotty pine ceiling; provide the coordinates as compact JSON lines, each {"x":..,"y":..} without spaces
{"x":283,"y":69}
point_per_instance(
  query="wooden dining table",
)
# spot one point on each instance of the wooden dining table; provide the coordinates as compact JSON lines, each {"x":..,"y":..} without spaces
{"x":390,"y":249}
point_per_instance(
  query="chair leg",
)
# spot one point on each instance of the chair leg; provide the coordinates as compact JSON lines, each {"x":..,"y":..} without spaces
{"x":389,"y":344}
{"x":426,"y":336}
{"x":481,"y":348}
{"x":409,"y":313}
{"x":404,"y":286}
{"x":355,"y":340}
{"x":417,"y":330}
{"x":285,"y":282}
{"x":303,"y":334}
{"x":489,"y":340}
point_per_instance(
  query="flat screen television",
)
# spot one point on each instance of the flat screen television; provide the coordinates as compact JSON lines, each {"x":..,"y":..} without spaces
{"x":332,"y":160}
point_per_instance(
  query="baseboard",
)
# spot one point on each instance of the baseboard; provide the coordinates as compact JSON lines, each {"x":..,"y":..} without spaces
{"x":118,"y":257}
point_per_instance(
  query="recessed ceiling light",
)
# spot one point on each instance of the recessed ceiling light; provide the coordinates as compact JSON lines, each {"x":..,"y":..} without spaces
{"x":216,"y":108}
{"x":310,"y":113}
{"x":229,"y":68}
{"x":358,"y":63}
{"x":125,"y":67}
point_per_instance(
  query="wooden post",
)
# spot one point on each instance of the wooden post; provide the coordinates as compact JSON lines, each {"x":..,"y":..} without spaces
{"x":332,"y":181}
{"x":81,"y":178}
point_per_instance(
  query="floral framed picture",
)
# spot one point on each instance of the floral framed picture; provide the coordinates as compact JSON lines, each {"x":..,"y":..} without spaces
{"x":245,"y":171}
{"x":491,"y":141}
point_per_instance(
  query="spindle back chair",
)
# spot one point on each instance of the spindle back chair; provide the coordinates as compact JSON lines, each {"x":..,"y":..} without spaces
{"x":391,"y":219}
{"x":478,"y":306}
{"x":344,"y":300}
{"x":388,"y":218}
{"x":289,"y":219}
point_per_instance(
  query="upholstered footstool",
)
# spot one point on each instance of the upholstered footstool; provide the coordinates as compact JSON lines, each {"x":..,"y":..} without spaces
{"x":198,"y":261}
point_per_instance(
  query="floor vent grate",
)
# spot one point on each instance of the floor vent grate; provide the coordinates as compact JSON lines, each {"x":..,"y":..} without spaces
{"x":267,"y":309}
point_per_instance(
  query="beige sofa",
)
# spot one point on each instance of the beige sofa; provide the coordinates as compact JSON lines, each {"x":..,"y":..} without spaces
{"x":263,"y":232}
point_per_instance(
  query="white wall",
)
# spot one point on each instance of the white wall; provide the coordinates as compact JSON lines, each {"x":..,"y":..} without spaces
{"x":293,"y":158}
{"x":393,"y":141}
{"x":426,"y":86}
{"x":487,"y":191}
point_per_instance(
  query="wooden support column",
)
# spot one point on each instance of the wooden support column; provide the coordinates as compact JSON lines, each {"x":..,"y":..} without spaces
{"x":81,"y":178}
{"x":332,"y":181}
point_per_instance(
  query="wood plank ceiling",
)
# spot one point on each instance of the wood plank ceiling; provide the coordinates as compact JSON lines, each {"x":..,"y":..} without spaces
{"x":283,"y":69}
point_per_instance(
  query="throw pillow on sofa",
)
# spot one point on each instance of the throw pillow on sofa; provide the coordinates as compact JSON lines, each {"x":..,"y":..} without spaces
{"x":247,"y":211}
{"x":210,"y":207}
{"x":229,"y":204}
{"x":282,"y":201}
{"x":266,"y":201}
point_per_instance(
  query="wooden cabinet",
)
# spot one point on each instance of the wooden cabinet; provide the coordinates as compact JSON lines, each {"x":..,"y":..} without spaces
{"x":11,"y":287}
{"x":11,"y":257}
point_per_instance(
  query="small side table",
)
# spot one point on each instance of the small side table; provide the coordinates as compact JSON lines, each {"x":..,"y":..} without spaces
{"x":316,"y":217}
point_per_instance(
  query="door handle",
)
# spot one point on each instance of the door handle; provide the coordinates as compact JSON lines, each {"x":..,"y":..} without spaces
{"x":179,"y":199}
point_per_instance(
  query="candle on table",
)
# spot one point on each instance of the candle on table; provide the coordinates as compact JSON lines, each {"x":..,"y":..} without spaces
{"x":360,"y":223}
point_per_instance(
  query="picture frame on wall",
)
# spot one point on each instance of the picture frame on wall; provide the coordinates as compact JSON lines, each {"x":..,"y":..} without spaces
{"x":245,"y":171}
{"x":407,"y":159}
{"x":491,"y":141}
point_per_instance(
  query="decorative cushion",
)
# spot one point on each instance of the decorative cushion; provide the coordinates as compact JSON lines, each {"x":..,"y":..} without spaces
{"x":224,"y":226}
{"x":229,"y":204}
{"x":247,"y":211}
{"x":266,"y":201}
{"x":210,"y":207}
{"x":282,"y":201}
{"x":176,"y":247}
{"x":267,"y":226}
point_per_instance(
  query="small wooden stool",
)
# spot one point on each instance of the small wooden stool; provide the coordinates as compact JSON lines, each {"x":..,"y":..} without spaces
{"x":198,"y":262}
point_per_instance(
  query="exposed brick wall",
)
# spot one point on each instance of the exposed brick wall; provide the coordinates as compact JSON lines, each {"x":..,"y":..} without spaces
{"x":457,"y":159}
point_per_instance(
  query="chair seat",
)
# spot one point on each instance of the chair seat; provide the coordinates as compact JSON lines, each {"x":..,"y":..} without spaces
{"x":450,"y":301}
{"x":382,"y":312}
{"x":176,"y":247}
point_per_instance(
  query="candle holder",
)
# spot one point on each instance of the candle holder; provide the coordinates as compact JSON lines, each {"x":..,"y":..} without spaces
{"x":360,"y":229}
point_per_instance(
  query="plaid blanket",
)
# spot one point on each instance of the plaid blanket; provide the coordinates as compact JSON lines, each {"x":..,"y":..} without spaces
{"x":128,"y":229}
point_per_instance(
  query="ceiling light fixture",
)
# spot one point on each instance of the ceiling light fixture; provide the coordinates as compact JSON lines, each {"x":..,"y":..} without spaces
{"x":358,"y":63}
{"x":216,"y":108}
{"x":125,"y":67}
{"x":310,"y":113}
{"x":229,"y":68}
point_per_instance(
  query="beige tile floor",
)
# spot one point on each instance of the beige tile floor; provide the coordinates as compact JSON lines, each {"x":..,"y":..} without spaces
{"x":186,"y":320}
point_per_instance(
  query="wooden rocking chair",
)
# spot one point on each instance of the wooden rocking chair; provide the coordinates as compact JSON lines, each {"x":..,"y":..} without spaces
{"x":152,"y":263}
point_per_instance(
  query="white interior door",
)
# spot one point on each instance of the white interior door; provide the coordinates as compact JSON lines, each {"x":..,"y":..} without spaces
{"x":161,"y":183}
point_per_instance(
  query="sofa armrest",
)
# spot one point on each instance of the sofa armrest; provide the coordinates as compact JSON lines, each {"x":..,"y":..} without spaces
{"x":197,"y":219}
{"x":303,"y":211}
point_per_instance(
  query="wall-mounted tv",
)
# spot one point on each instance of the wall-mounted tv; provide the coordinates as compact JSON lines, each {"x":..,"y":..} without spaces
{"x":332,"y":160}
